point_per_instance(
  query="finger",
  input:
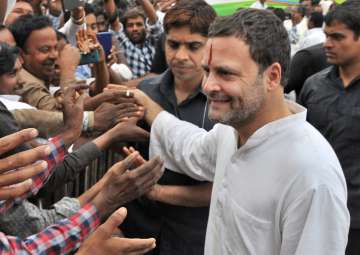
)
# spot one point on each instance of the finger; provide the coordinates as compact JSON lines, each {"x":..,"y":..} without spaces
{"x":10,"y":142}
{"x":122,"y":106}
{"x":15,"y":191}
{"x":148,"y":181}
{"x":125,"y":164}
{"x":146,"y":169}
{"x":117,"y":87}
{"x":22,"y":174}
{"x":139,"y":160}
{"x":134,"y":246}
{"x":131,"y":150}
{"x":24,"y":158}
{"x":112,"y":223}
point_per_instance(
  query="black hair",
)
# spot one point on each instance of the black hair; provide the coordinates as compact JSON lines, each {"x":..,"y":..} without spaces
{"x":25,"y":25}
{"x":317,"y":19}
{"x":347,"y":14}
{"x":195,"y":14}
{"x":60,"y":36}
{"x":8,"y":56}
{"x":89,"y":9}
{"x":280,"y":13}
{"x":263,"y":32}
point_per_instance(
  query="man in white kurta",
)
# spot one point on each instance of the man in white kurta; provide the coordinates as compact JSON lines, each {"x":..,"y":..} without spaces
{"x":278,"y":185}
{"x":277,"y":194}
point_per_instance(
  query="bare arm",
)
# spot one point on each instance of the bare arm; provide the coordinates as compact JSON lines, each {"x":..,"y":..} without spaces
{"x":189,"y":196}
{"x":149,"y":10}
{"x":110,"y":9}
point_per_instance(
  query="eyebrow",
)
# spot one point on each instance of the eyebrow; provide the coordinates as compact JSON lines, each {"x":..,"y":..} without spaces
{"x":222,"y":69}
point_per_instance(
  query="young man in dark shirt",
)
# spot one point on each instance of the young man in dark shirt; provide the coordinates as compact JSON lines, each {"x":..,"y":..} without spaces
{"x":332,"y":99}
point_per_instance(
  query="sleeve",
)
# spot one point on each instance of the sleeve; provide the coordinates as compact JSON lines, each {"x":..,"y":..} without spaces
{"x":56,"y":156}
{"x":62,"y":238}
{"x":155,"y":29}
{"x":184,"y":147}
{"x":48,"y":123}
{"x":38,"y":96}
{"x":317,"y":222}
{"x":69,"y":169}
{"x":70,"y":29}
{"x":25,"y":219}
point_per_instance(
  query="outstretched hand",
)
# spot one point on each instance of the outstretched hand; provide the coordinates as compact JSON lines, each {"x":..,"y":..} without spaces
{"x":102,"y":240}
{"x":17,"y":170}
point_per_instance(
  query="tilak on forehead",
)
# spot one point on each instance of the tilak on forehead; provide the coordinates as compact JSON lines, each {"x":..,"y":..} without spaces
{"x":210,"y":54}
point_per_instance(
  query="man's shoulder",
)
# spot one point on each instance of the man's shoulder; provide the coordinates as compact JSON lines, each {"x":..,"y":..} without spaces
{"x":318,"y":80}
{"x":151,"y":84}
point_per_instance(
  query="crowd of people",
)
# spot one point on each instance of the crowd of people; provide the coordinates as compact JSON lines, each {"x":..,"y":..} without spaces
{"x":240,"y":131}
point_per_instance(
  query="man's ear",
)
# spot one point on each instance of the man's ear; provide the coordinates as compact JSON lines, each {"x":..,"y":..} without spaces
{"x":273,"y":76}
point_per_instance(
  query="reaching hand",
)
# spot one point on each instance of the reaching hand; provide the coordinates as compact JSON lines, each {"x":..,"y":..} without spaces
{"x":69,"y":58}
{"x":16,"y":170}
{"x":123,"y":185}
{"x":73,"y":113}
{"x":102,"y":240}
{"x":128,"y":132}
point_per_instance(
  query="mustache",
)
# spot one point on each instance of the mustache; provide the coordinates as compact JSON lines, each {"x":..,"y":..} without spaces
{"x":49,"y":62}
{"x":181,"y":65}
{"x":218,"y":96}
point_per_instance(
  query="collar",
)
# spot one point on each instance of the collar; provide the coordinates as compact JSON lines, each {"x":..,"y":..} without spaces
{"x":267,"y":131}
{"x":166,"y":86}
{"x":27,"y":77}
{"x":334,"y":76}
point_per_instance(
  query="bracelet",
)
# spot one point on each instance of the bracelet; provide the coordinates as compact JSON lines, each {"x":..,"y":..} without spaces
{"x":85,"y":124}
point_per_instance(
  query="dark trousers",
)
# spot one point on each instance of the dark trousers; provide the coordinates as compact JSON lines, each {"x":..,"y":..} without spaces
{"x":353,"y":247}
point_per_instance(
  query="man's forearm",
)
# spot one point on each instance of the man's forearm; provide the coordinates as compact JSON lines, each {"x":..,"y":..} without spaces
{"x":189,"y":196}
{"x":152,"y":110}
{"x":149,"y":10}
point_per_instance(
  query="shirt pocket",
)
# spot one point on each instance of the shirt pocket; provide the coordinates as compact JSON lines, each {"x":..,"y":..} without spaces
{"x":245,"y":233}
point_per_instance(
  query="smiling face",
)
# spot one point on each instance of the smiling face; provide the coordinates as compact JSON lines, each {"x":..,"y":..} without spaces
{"x":236,"y":92}
{"x":184,"y":51}
{"x":40,"y":53}
{"x":342,"y":46}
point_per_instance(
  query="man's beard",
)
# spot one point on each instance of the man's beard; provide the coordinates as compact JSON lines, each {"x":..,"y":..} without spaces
{"x":138,"y":40}
{"x":243,"y":110}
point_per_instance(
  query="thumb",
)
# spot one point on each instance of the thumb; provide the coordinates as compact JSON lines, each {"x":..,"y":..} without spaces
{"x":112,"y":223}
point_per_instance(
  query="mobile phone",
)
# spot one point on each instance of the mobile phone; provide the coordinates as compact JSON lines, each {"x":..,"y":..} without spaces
{"x":105,"y":39}
{"x":92,"y":57}
{"x":69,"y":5}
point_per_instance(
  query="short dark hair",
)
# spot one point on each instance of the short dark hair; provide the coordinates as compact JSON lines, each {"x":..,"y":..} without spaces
{"x":280,"y":13}
{"x":263,"y":32}
{"x":25,"y":25}
{"x":196,"y":14}
{"x":317,"y":19}
{"x":8,"y":56}
{"x":346,"y":13}
{"x":132,"y":13}
{"x":89,"y":9}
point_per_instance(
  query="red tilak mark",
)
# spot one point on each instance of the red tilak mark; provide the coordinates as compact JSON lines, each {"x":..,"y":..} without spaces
{"x":210,"y":55}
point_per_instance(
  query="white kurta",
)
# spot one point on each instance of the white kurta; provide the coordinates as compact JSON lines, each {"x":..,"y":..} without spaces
{"x":283,"y":192}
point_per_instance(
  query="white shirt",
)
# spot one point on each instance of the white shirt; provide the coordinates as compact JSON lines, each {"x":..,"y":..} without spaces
{"x":258,"y":5}
{"x":312,"y":37}
{"x":12,"y":102}
{"x":283,"y":192}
